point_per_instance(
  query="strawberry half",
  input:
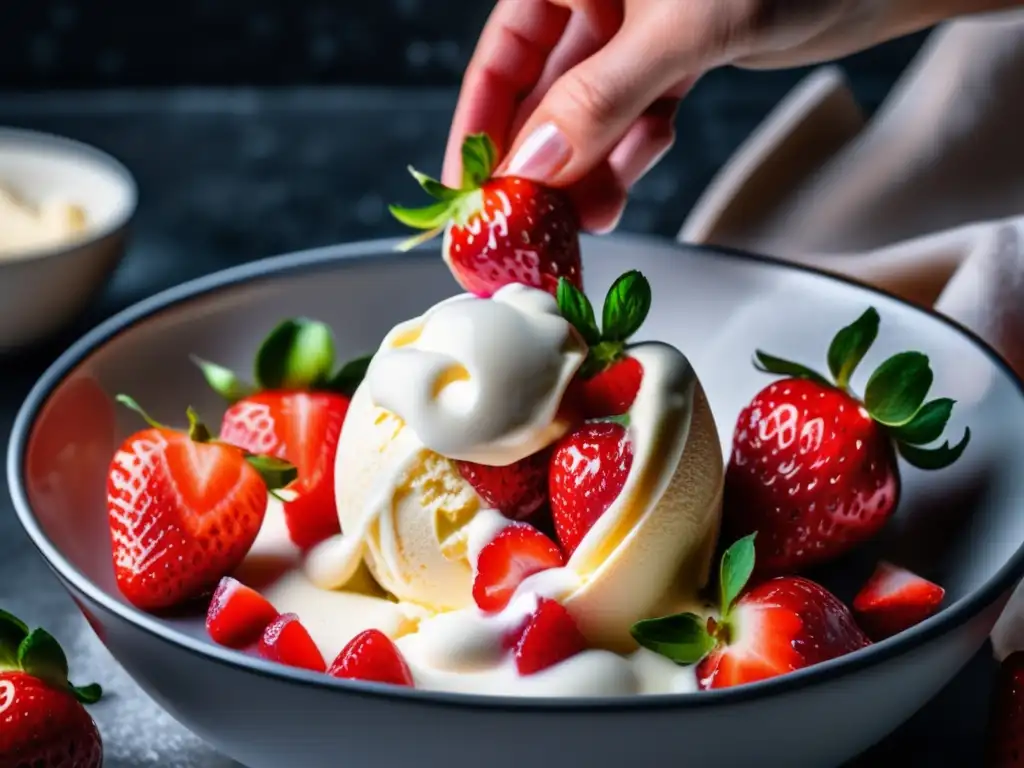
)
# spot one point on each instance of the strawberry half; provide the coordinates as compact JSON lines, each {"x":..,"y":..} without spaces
{"x":519,"y":551}
{"x":497,"y":230}
{"x":238,"y":615}
{"x":778,"y":626}
{"x":516,"y":490}
{"x":287,"y":642}
{"x":1005,"y":738}
{"x":184,"y":509}
{"x":813,"y":467}
{"x":42,"y":721}
{"x":895,"y":599}
{"x":372,"y":656}
{"x":294,"y":412}
{"x":549,"y":636}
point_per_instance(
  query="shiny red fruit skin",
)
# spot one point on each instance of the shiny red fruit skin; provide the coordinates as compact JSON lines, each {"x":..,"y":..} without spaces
{"x":588,"y":471}
{"x":526,"y":233}
{"x":40,"y":725}
{"x":612,"y":391}
{"x":517,"y":490}
{"x":895,"y":599}
{"x":371,"y":656}
{"x":238,"y":615}
{"x":549,"y":637}
{"x":515,"y":554}
{"x":287,"y":642}
{"x":780,"y":626}
{"x":1004,"y":746}
{"x":811,"y":472}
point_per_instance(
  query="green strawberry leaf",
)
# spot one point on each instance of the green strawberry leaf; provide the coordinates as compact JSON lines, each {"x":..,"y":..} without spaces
{"x":768,"y":364}
{"x":897,"y":388}
{"x":478,"y":158}
{"x":682,"y":637}
{"x":298,"y":354}
{"x":850,"y":345}
{"x":433,"y":187}
{"x":626,"y":306}
{"x":40,"y":655}
{"x":577,"y":309}
{"x":129,"y":402}
{"x":350,"y":376}
{"x":734,"y":572}
{"x":13,"y":632}
{"x":430,"y":217}
{"x":87,"y":694}
{"x":276,"y":473}
{"x":934,"y":458}
{"x":223,"y":381}
{"x":928,"y":424}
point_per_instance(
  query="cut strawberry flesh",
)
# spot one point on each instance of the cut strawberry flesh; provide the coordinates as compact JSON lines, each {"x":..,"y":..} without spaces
{"x":517,"y":490}
{"x":549,"y":637}
{"x":516,"y":553}
{"x":238,"y":615}
{"x":373,"y":657}
{"x":895,"y":599}
{"x":287,"y":642}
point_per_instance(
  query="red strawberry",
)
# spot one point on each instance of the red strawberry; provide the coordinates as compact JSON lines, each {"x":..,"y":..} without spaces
{"x":778,"y":626}
{"x":519,"y":551}
{"x":238,"y":615}
{"x":295,"y":412}
{"x":184,"y":510}
{"x":372,"y":656}
{"x":42,"y":721}
{"x":895,"y":599}
{"x":516,"y":490}
{"x":611,"y":392}
{"x":287,"y":642}
{"x":813,"y":469}
{"x":588,"y":470}
{"x":549,"y":637}
{"x":498,"y":230}
{"x":1005,"y":742}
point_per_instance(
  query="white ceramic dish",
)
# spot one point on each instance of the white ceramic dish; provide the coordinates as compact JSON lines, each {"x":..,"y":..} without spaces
{"x":962,"y":526}
{"x":40,"y":291}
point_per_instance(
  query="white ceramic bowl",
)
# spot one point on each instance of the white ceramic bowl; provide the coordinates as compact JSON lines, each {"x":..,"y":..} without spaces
{"x":42,"y":290}
{"x":962,"y":526}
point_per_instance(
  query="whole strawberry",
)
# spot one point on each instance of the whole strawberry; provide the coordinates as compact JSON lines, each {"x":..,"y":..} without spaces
{"x":813,"y":467}
{"x":778,"y":626}
{"x":42,"y":721}
{"x":294,"y":412}
{"x":498,"y":230}
{"x":184,"y":509}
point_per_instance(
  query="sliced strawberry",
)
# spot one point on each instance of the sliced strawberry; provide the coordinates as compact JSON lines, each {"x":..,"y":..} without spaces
{"x":1005,"y":738}
{"x":895,"y":599}
{"x":517,"y":490}
{"x":611,"y":392}
{"x":287,"y":642}
{"x":549,"y":637}
{"x":588,"y":471}
{"x":372,"y":656}
{"x":516,"y":553}
{"x":238,"y":615}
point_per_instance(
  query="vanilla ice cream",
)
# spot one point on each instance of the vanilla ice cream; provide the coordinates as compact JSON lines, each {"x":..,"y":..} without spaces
{"x":25,"y":227}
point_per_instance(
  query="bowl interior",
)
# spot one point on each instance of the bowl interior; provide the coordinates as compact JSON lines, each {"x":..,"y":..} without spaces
{"x":960,"y":526}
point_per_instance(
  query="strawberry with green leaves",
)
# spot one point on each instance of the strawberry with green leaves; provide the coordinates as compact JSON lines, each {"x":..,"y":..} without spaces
{"x":42,"y":721}
{"x":295,"y":411}
{"x":497,"y":230}
{"x":778,"y":626}
{"x":813,"y":467}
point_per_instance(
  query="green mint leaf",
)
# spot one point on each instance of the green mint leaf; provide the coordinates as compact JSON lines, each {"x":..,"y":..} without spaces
{"x":626,"y":306}
{"x":350,"y":376}
{"x":40,"y":655}
{"x":576,"y":308}
{"x":897,"y":388}
{"x":478,"y":158}
{"x":734,"y":572}
{"x":850,"y":345}
{"x":87,"y":694}
{"x":928,"y":424}
{"x":682,"y":637}
{"x":429,"y":217}
{"x":223,"y":381}
{"x":934,"y":458}
{"x":13,"y":632}
{"x":768,"y":364}
{"x":298,"y":354}
{"x":276,"y":473}
{"x":433,"y":187}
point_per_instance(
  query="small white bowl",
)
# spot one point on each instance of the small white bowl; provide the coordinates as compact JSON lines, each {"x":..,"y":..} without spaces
{"x":44,"y":289}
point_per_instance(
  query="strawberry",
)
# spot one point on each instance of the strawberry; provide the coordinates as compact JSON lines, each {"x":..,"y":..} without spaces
{"x":1005,"y":742}
{"x":588,"y":471}
{"x":519,"y":551}
{"x":780,"y":625}
{"x":813,"y":468}
{"x":517,"y":490}
{"x":372,"y":656}
{"x":42,"y":721}
{"x":238,"y":614}
{"x":895,"y":599}
{"x":184,"y":510}
{"x":497,"y":230}
{"x":609,"y":379}
{"x":549,"y":637}
{"x":287,"y":642}
{"x":295,"y":412}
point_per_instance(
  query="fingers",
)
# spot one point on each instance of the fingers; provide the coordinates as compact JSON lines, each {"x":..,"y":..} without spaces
{"x":649,"y":138}
{"x":509,"y":58}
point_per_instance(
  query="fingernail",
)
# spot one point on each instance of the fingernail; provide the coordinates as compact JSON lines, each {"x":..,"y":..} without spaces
{"x":544,"y":153}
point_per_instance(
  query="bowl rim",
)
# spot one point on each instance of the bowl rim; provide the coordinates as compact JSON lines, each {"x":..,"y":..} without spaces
{"x":312,"y":260}
{"x":92,"y":235}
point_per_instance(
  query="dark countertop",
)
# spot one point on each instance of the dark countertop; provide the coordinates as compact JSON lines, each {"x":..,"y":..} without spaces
{"x":230,"y":176}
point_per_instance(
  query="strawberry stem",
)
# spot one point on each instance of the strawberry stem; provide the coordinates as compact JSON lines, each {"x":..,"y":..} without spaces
{"x":197,"y":431}
{"x":276,"y":473}
{"x":128,"y":402}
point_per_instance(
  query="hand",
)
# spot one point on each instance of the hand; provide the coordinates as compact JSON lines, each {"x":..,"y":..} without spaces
{"x":584,"y":92}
